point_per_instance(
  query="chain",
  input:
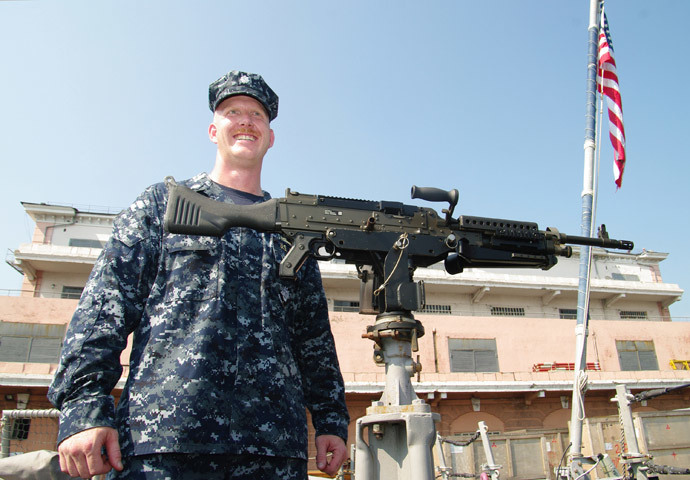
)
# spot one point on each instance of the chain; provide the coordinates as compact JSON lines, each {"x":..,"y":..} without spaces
{"x":458,"y":443}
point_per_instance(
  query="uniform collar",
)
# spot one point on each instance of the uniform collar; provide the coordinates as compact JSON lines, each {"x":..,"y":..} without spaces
{"x":202,"y":183}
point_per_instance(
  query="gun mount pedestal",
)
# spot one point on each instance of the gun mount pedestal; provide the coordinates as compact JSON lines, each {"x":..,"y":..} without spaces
{"x":395,"y":438}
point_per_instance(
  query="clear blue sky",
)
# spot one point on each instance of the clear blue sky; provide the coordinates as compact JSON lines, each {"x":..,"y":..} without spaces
{"x":100,"y":99}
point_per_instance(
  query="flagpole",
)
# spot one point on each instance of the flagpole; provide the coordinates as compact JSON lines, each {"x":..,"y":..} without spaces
{"x":580,"y":380}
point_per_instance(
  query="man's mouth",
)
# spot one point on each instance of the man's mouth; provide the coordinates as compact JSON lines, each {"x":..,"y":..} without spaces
{"x":244,"y":135}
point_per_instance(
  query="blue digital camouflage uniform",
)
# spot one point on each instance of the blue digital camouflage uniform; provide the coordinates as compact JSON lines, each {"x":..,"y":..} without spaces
{"x":195,"y":466}
{"x":225,"y":354}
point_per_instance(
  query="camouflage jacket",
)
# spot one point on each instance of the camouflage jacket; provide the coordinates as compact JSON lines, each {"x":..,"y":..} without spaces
{"x":225,"y":354}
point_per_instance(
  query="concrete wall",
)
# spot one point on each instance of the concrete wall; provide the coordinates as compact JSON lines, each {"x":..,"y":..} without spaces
{"x":54,"y":311}
{"x":521,"y":342}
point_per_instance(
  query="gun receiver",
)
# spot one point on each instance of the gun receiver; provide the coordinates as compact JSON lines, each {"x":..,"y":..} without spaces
{"x":380,"y":234}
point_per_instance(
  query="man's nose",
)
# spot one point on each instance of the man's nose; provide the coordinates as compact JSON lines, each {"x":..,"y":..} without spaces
{"x":246,"y":119}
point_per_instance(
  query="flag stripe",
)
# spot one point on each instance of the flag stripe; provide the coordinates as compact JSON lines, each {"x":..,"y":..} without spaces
{"x":607,"y":81}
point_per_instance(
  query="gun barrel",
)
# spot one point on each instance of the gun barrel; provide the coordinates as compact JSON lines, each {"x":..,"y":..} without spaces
{"x":598,"y":242}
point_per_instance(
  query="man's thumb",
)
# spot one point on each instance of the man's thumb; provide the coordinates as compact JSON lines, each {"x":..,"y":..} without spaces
{"x":112,"y":449}
{"x":321,"y":461}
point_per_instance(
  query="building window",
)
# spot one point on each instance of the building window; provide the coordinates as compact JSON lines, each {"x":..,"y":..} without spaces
{"x":473,"y":355}
{"x":30,"y":349}
{"x":636,"y":355}
{"x":71,"y":292}
{"x":625,"y":276}
{"x":345,"y":306}
{"x":633,"y":315}
{"x":20,"y":428}
{"x":437,"y":309}
{"x":508,"y":311}
{"x":567,"y":313}
{"x":85,"y":242}
{"x":14,"y":349}
{"x":32,"y":343}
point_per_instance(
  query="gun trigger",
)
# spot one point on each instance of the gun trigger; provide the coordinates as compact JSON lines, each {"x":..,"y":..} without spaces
{"x":295,"y":257}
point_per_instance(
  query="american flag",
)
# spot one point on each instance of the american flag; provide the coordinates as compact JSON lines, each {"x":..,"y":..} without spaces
{"x":607,"y":81}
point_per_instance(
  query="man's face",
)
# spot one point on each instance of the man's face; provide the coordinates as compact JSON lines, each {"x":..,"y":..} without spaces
{"x":241,"y":129}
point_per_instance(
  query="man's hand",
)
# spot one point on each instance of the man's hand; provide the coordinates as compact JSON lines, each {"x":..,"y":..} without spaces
{"x":81,"y":454}
{"x":334,"y":445}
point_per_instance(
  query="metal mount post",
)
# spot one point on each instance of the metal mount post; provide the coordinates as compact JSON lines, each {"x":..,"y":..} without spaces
{"x":632,"y":458}
{"x":490,"y":466}
{"x":395,"y":438}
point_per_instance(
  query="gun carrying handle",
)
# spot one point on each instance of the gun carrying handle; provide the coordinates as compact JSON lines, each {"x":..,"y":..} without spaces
{"x":432,"y":194}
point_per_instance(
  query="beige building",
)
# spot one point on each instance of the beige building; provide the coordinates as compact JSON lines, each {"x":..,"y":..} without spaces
{"x":498,"y":344}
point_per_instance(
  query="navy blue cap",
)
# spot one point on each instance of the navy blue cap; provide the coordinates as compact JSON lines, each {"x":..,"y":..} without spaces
{"x":243,"y":83}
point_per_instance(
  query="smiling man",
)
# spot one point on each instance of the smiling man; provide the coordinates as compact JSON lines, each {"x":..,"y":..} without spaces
{"x":241,"y":129}
{"x":225,"y":356}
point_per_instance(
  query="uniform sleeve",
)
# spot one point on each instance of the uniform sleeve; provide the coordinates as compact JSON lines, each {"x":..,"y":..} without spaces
{"x":110,"y":308}
{"x":324,"y":388}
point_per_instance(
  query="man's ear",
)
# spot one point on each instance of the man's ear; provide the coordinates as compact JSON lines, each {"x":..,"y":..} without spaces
{"x":273,"y":139}
{"x":212,"y":133}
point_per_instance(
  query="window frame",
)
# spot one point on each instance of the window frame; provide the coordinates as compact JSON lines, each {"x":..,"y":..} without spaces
{"x":629,"y":358}
{"x":481,"y":353}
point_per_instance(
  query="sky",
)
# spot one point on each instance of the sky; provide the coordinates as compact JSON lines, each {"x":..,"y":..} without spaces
{"x":98,"y":100}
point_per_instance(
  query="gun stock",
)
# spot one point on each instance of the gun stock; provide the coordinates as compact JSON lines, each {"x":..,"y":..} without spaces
{"x":191,"y":213}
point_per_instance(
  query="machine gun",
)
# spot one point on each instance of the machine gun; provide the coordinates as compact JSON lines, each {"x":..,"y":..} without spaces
{"x":391,"y":238}
{"x":386,"y":241}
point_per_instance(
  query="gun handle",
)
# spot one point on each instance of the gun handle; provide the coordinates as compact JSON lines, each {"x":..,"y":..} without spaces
{"x":432,"y":194}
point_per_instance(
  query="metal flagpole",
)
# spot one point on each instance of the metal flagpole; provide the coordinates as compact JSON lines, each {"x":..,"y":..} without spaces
{"x":580,"y":380}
